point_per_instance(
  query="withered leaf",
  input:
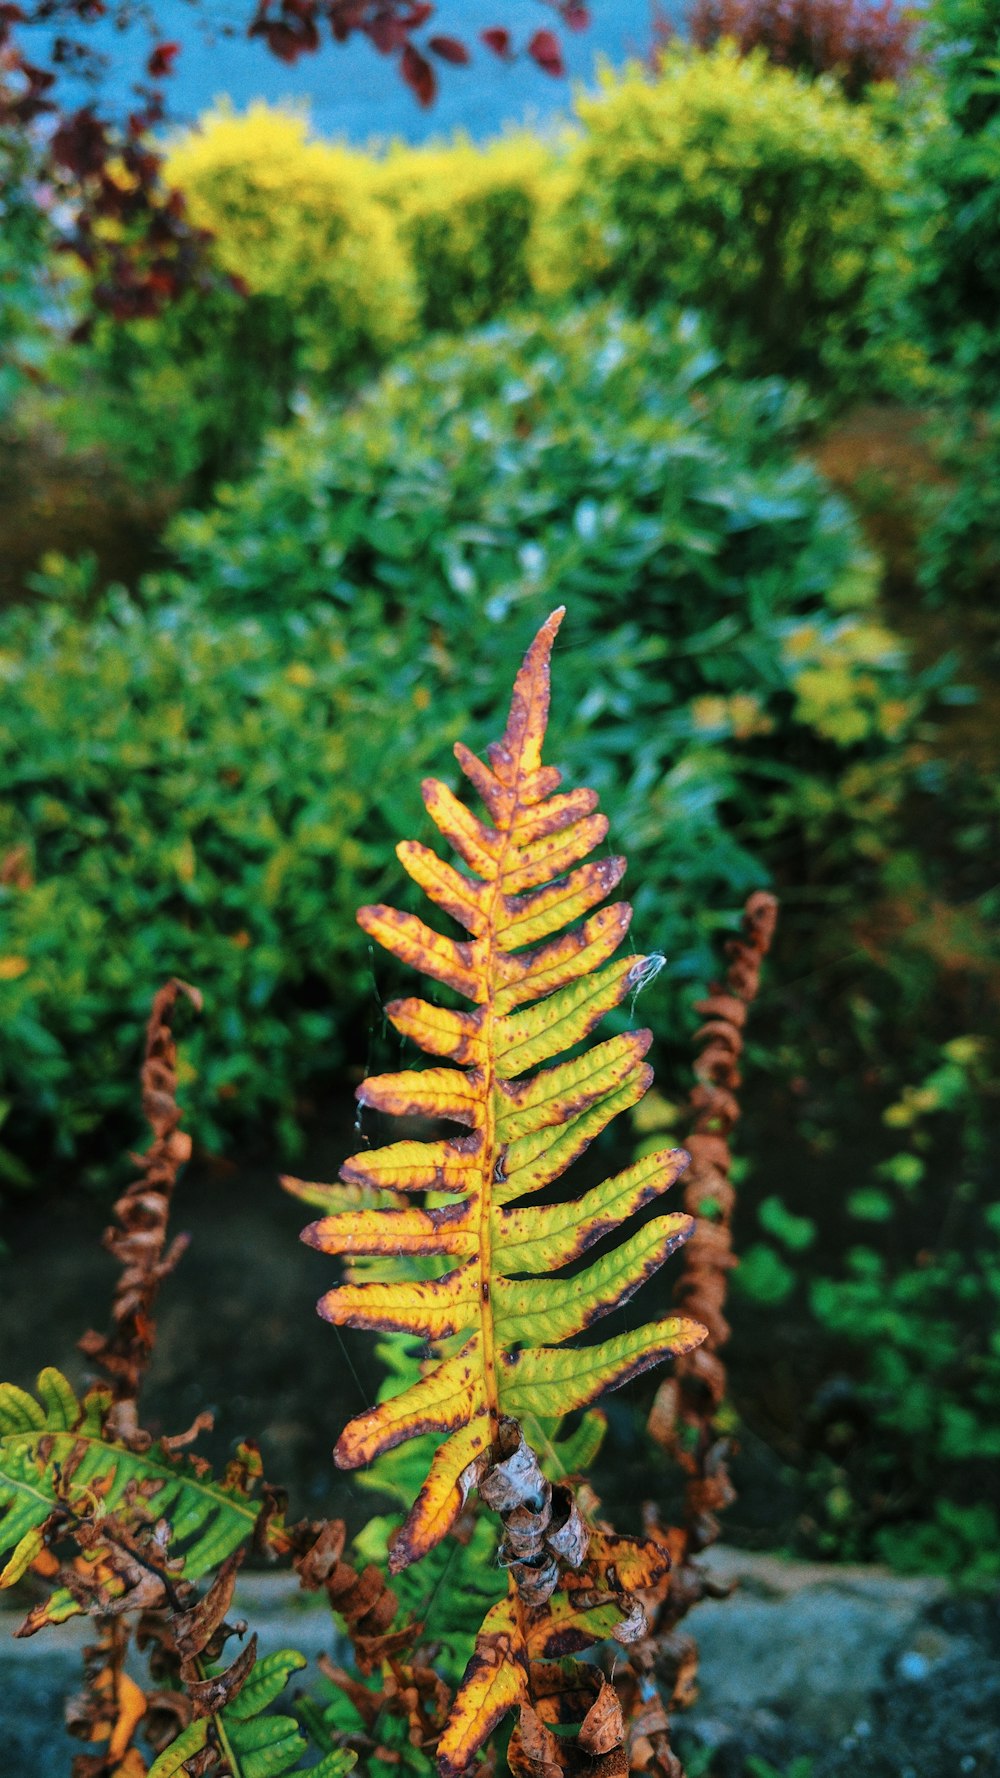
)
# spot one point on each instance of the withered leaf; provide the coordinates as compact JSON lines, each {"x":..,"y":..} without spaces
{"x":208,"y":1696}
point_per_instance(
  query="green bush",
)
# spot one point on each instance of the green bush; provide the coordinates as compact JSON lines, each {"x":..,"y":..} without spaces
{"x":956,"y":186}
{"x":23,"y":243}
{"x":297,"y":221}
{"x":206,"y":780}
{"x":323,"y":294}
{"x":340,"y":258}
{"x":474,"y":221}
{"x":179,"y":399}
{"x":767,"y":203}
{"x":771,"y":205}
{"x":953,"y":218}
{"x":196,"y":796}
{"x":916,"y":1320}
{"x":959,"y":542}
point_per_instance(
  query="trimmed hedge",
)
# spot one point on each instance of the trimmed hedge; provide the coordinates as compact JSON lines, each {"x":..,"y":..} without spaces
{"x":767,"y":202}
{"x":476,"y":224}
{"x":326,"y":294}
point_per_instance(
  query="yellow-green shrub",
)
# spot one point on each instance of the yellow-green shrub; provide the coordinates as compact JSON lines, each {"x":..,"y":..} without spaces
{"x":731,"y":185}
{"x":473,"y":220}
{"x":327,"y":294}
{"x":298,"y":221}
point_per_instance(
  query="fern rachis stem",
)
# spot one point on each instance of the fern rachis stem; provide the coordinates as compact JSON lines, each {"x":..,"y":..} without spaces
{"x":491,"y":1160}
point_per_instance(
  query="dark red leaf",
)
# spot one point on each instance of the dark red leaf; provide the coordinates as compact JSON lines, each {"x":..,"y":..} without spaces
{"x":418,"y":74}
{"x":387,"y":34}
{"x":498,"y":40}
{"x":162,"y":60}
{"x":40,"y":79}
{"x":80,"y":144}
{"x":575,"y":18}
{"x":545,"y":49}
{"x":389,"y":29}
{"x":450,"y":50}
{"x":855,"y":41}
{"x":286,"y":40}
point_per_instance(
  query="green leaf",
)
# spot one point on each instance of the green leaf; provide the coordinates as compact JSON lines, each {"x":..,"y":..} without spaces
{"x":190,"y":1741}
{"x":763,"y":1275}
{"x":267,"y":1680}
{"x":870,"y":1205}
{"x":794,"y":1232}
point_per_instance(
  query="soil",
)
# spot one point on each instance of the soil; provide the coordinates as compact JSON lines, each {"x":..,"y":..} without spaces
{"x":73,"y":506}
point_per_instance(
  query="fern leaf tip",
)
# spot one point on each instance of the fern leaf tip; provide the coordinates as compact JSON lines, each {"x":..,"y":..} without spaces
{"x":518,"y":754}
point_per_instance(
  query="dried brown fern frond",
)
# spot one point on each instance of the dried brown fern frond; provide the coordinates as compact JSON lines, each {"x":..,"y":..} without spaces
{"x":120,"y":1526}
{"x":139,"y":1242}
{"x":109,"y":1710}
{"x":662,"y":1668}
{"x":682,"y":1415}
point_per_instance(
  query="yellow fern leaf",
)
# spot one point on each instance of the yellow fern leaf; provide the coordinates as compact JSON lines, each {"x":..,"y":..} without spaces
{"x":539,"y":968}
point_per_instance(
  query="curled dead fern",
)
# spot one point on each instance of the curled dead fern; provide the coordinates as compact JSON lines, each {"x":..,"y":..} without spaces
{"x":139,"y":1241}
{"x":661,"y":1673}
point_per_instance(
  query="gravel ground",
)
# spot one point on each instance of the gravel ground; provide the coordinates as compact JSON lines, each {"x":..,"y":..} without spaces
{"x":862,"y":1673}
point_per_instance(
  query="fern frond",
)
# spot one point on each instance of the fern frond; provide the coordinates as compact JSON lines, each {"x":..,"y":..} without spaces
{"x":109,"y":1710}
{"x":225,"y":1710}
{"x":539,"y":968}
{"x":139,"y":1241}
{"x":61,"y":1464}
{"x":251,"y":1742}
{"x":683,"y":1420}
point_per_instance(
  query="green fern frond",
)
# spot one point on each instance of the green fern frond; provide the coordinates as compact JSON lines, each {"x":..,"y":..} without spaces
{"x":252,"y":1743}
{"x":60,"y":1460}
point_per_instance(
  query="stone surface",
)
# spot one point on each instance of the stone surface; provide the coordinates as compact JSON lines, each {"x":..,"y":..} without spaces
{"x":856,"y":1672}
{"x":803,"y":1639}
{"x":35,"y":1678}
{"x":39,"y":1673}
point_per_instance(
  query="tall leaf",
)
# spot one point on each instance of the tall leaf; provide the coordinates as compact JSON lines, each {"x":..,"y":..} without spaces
{"x":540,"y":970}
